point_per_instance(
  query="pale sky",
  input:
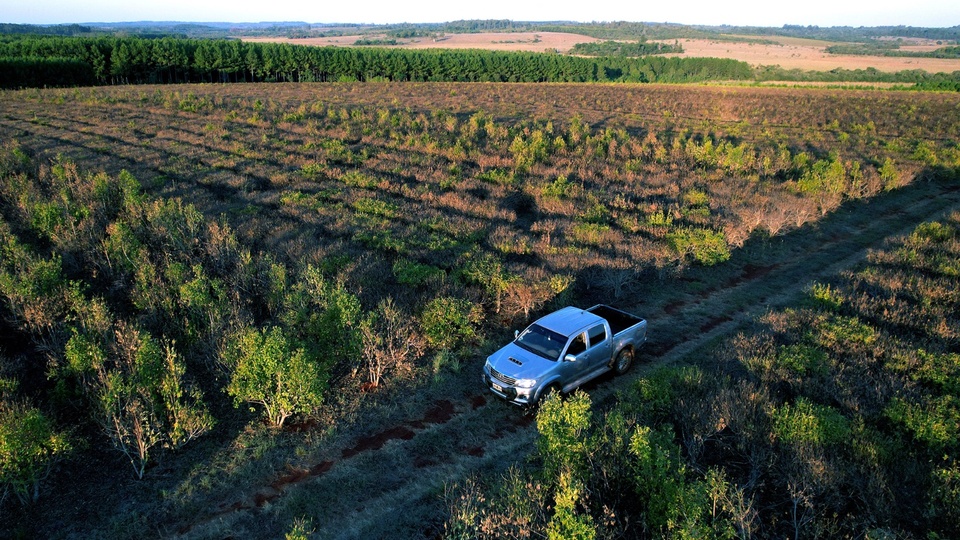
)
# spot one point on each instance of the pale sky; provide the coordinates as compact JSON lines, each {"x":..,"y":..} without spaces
{"x":932,"y":13}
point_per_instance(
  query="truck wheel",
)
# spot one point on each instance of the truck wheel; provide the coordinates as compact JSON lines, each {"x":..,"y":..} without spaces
{"x":623,"y":361}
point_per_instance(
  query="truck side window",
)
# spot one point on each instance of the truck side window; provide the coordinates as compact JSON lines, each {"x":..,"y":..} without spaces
{"x":598,"y":334}
{"x":578,"y":345}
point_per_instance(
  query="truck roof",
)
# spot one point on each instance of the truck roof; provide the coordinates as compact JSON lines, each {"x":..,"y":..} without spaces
{"x":568,"y":320}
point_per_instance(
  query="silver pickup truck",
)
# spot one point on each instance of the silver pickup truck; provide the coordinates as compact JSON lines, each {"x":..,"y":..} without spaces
{"x":563,"y":350}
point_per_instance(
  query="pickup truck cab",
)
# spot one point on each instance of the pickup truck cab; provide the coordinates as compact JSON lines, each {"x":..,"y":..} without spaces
{"x":564,"y":350}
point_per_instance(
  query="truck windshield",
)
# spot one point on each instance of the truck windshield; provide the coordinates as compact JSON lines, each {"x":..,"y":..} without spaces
{"x":541,"y":341}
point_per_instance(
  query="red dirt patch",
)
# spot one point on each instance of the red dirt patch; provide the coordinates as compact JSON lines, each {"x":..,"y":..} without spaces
{"x":265,"y":496}
{"x":441,"y":413}
{"x":751,"y":271}
{"x":477,"y":401}
{"x":321,"y":468}
{"x":422,"y":462}
{"x":475,"y":452}
{"x":376,"y":442}
{"x":294,"y":476}
{"x":524,"y":420}
{"x":299,"y":427}
{"x":713,"y":323}
{"x":673,"y":307}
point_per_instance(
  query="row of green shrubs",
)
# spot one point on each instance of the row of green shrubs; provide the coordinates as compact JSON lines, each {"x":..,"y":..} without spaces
{"x":129,"y":319}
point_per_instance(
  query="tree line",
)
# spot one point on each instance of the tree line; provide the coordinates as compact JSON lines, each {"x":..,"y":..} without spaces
{"x":131,"y":60}
{"x":879,"y":48}
{"x":618,"y":48}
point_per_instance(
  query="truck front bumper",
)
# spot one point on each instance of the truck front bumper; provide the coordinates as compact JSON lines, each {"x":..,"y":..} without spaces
{"x":517,"y":396}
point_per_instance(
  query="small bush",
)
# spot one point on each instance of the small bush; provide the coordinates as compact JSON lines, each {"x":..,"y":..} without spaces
{"x":826,"y":296}
{"x":935,"y":423}
{"x":269,"y":370}
{"x":450,"y":322}
{"x":806,"y":422}
{"x":704,"y":246}
{"x":29,"y":448}
{"x":802,"y":359}
{"x":413,"y":273}
{"x":839,"y":330}
{"x":559,"y":188}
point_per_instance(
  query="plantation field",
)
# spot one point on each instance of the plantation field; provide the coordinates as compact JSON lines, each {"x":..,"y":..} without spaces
{"x":387,"y":237}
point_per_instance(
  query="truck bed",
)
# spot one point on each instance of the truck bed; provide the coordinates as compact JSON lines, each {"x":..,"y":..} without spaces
{"x":618,"y":320}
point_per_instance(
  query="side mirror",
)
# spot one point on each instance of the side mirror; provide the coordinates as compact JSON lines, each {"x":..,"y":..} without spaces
{"x":516,"y":334}
{"x":569,"y":358}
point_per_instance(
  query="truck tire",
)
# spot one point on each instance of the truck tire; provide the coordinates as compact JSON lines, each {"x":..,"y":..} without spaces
{"x":623,"y":361}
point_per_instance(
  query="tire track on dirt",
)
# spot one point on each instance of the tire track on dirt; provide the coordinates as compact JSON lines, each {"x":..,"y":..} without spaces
{"x":396,"y":476}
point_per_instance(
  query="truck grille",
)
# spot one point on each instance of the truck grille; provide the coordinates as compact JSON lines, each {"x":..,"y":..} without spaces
{"x":501,"y":377}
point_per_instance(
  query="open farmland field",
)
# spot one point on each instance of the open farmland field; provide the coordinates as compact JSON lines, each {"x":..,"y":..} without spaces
{"x":788,"y":53}
{"x":492,"y":41}
{"x":810,"y":55}
{"x":299,"y":210}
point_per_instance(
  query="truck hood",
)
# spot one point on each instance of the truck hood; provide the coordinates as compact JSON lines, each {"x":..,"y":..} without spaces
{"x":519,"y":363}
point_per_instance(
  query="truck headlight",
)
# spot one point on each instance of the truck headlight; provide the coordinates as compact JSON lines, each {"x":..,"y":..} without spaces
{"x":525,"y":383}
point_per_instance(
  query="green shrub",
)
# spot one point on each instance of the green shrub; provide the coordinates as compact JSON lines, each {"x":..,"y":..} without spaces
{"x":839,"y":330}
{"x":448,"y":322}
{"x":503,"y":177}
{"x":696,"y":197}
{"x":658,"y":480}
{"x":597,"y":214}
{"x":932,"y":231}
{"x":359,"y":179}
{"x":826,"y":296}
{"x":935,"y":422}
{"x":704,"y":246}
{"x":313,"y":170}
{"x":30,"y":446}
{"x":806,"y":422}
{"x":803,"y":359}
{"x":563,"y":425}
{"x":659,"y":219}
{"x":592,"y":234}
{"x":143,"y":401}
{"x":324,"y":317}
{"x":267,"y":369}
{"x":376,"y":207}
{"x":568,"y":521}
{"x":413,"y":273}
{"x":943,"y":508}
{"x":889,"y":175}
{"x":488,"y":271}
{"x":560,"y":188}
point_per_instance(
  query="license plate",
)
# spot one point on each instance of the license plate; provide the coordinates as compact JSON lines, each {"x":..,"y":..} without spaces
{"x":497,"y":387}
